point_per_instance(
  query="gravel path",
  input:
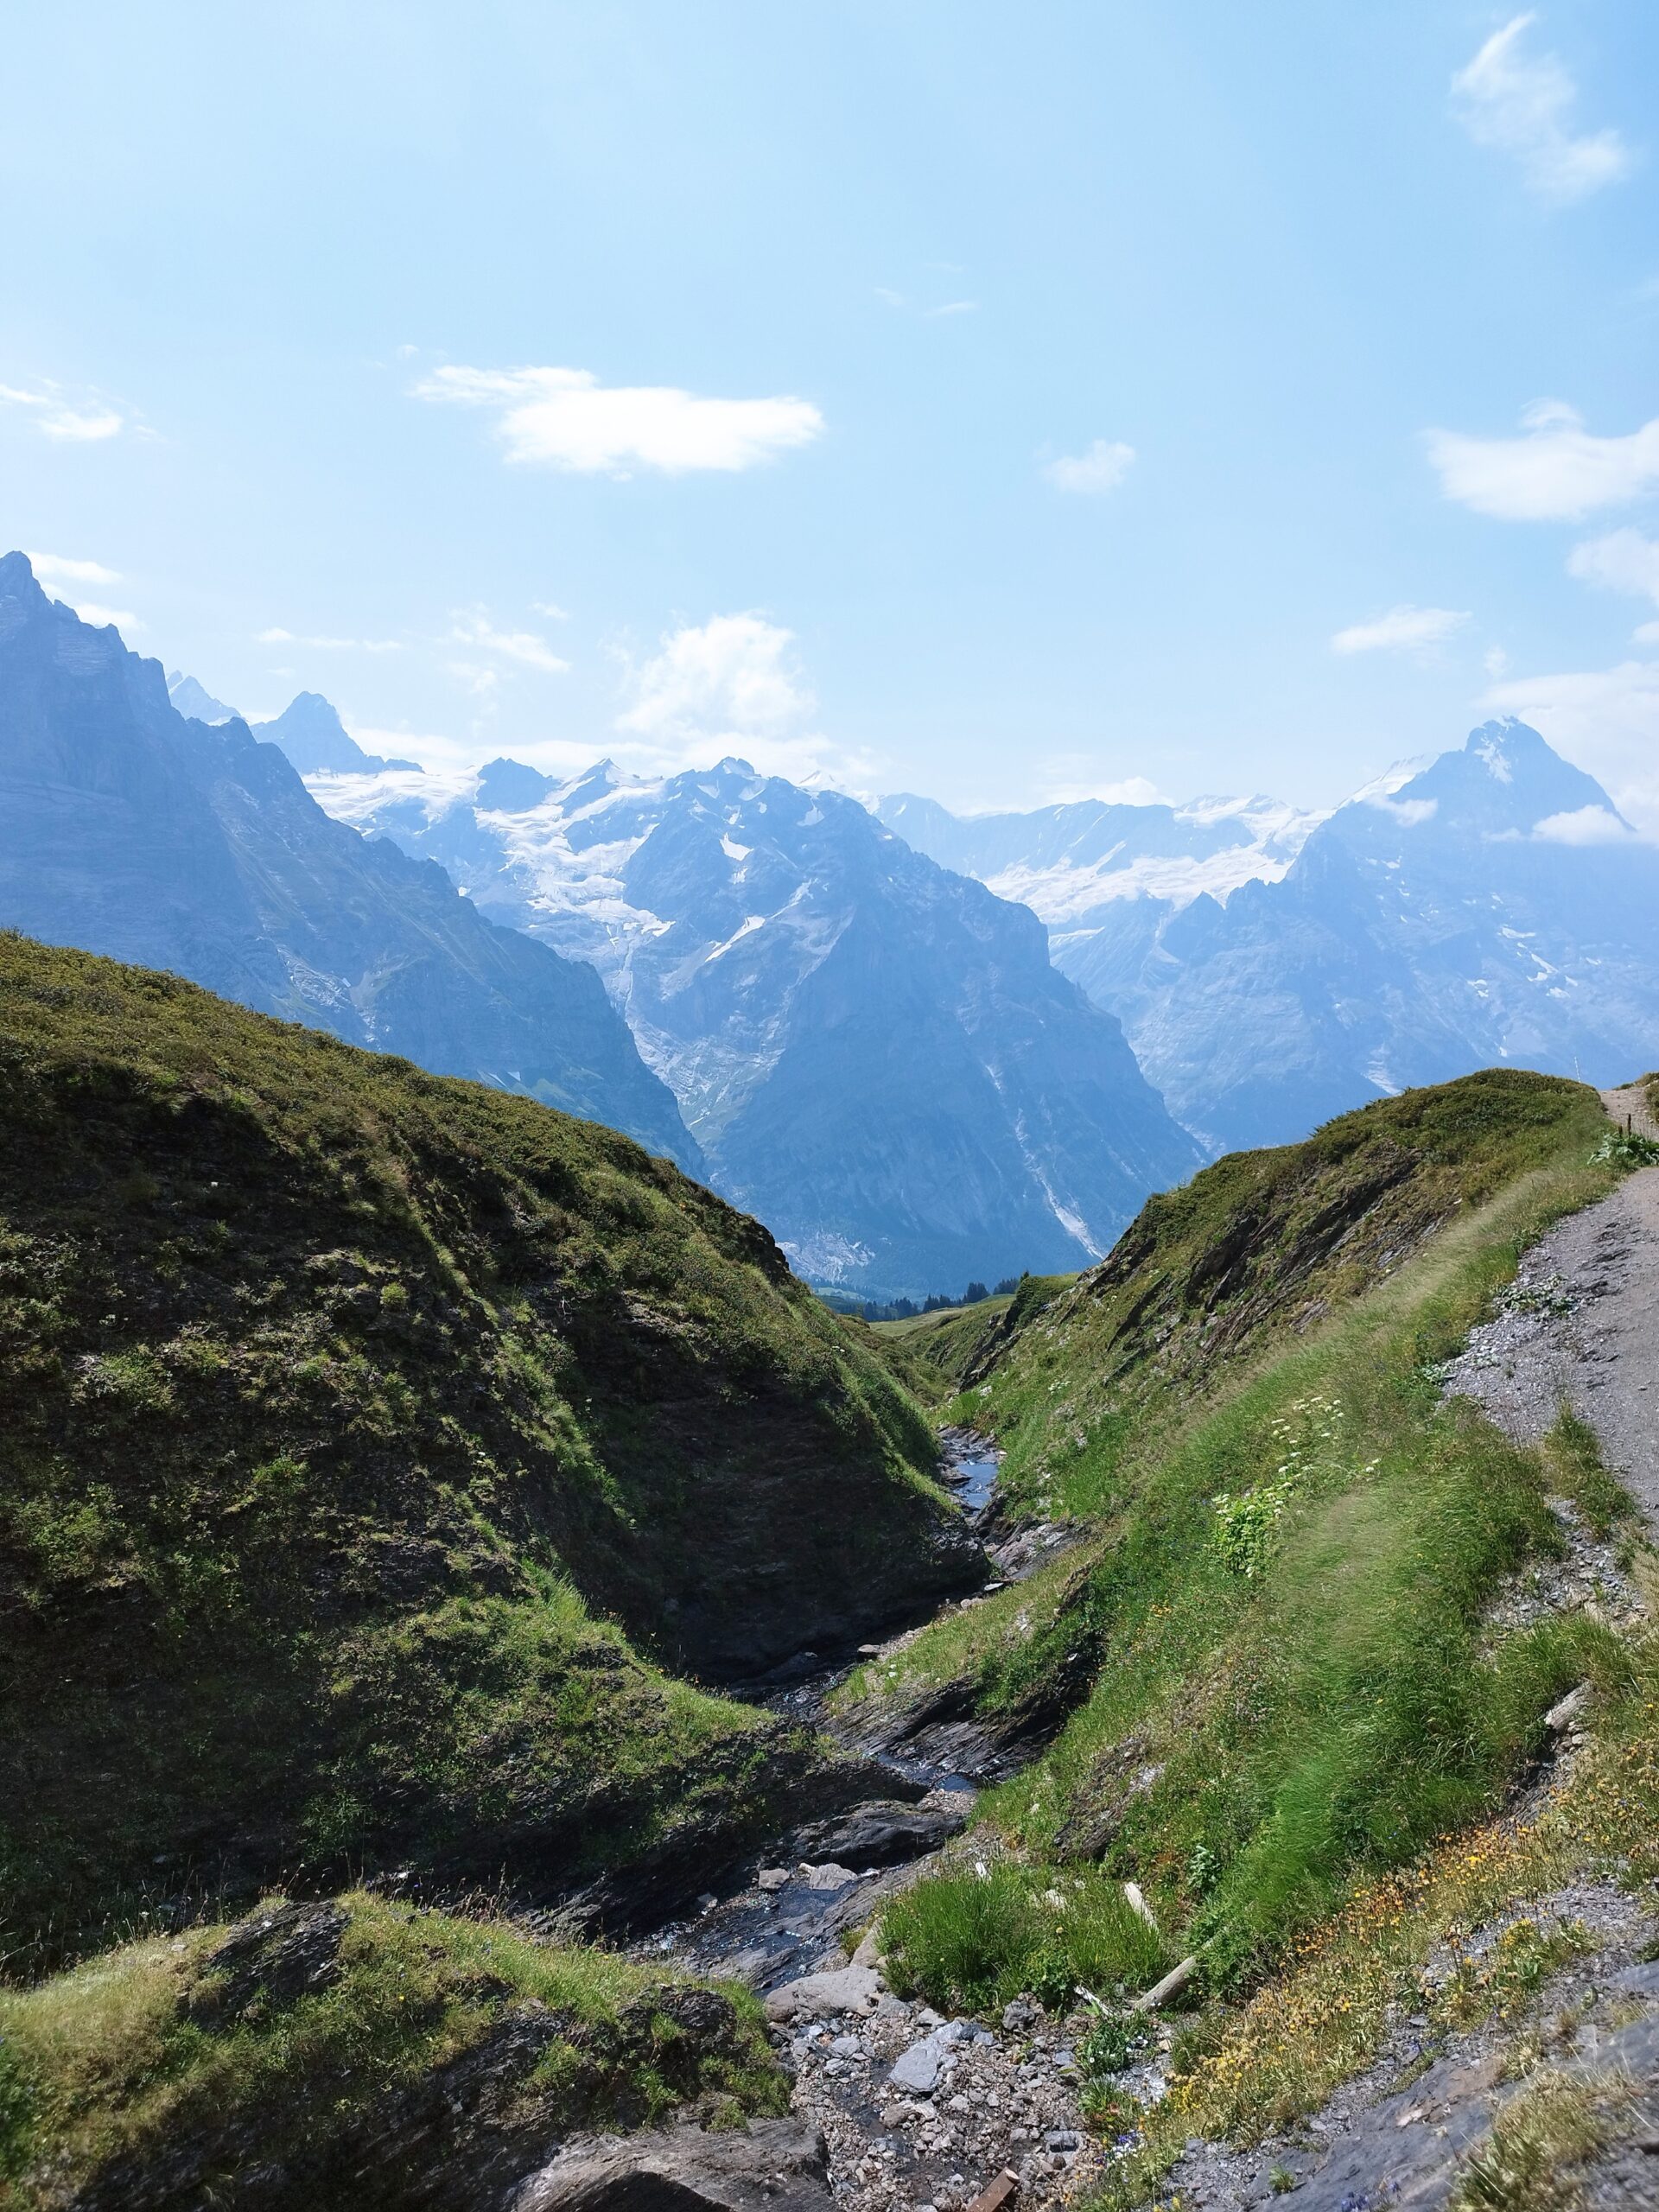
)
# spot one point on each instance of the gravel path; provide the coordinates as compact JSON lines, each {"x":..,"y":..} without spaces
{"x":1580,"y":1323}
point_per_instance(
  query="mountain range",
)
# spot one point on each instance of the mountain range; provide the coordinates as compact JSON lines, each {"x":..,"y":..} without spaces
{"x":1489,"y":906}
{"x":875,"y":1052}
{"x":129,"y":831}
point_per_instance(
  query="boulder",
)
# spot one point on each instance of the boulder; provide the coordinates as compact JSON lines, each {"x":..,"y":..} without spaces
{"x":776,"y":2164}
{"x":849,"y":1989}
{"x":884,"y":1833}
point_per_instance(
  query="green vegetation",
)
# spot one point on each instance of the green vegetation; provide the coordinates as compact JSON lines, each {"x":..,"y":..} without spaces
{"x":976,"y":1937}
{"x":369,"y":1442}
{"x":324,"y":2042}
{"x":936,"y":1354}
{"x":1276,"y":1623}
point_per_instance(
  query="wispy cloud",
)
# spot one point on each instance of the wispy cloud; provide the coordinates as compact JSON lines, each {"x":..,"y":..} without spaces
{"x":63,"y":578}
{"x":1401,"y":630}
{"x":1522,"y":105}
{"x":906,"y":306}
{"x":566,"y":419}
{"x":1622,"y":560}
{"x":473,"y":627}
{"x":55,"y":415}
{"x":278,"y":637}
{"x":1102,"y":467}
{"x":1558,"y":472}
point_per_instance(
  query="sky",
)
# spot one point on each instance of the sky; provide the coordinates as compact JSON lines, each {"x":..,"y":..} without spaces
{"x":1004,"y":403}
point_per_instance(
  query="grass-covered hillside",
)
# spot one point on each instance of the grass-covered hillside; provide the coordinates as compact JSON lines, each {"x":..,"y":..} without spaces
{"x":1272,"y":1642}
{"x":933,"y":1355}
{"x":349,"y":2050}
{"x":370,"y":1445}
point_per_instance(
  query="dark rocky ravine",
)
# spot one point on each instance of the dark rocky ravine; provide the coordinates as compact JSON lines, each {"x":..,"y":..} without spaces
{"x":972,"y":2102}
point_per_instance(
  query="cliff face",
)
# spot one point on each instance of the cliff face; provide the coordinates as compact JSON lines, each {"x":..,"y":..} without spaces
{"x":361,"y":1432}
{"x":129,"y":831}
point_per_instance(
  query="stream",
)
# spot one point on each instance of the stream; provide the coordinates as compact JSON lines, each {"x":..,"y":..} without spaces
{"x":916,"y":2112}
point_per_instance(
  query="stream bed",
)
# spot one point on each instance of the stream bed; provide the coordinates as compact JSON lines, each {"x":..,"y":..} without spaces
{"x":969,"y":2100}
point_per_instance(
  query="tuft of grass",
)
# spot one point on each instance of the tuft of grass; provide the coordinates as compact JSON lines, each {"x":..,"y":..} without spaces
{"x":973,"y":1941}
{"x":1539,"y":2146}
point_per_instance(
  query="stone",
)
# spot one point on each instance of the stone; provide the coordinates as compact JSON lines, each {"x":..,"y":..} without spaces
{"x":772,"y":2165}
{"x":829,"y":1876}
{"x":1063,"y":2138}
{"x":869,"y":1953}
{"x":848,"y":2047}
{"x":772,"y":1877}
{"x":854,"y":1989}
{"x":884,"y":1833}
{"x":919,"y":2067}
{"x":1018,"y":2016}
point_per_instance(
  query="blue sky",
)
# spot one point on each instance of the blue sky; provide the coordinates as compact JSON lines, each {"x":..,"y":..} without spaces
{"x":997,"y":403}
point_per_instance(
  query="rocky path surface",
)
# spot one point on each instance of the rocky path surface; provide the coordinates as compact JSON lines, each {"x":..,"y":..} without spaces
{"x":1579,"y":1326}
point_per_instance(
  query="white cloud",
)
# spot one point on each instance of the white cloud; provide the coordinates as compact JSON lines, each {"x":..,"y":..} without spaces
{"x":331,"y":644}
{"x":1521,"y":105}
{"x":1495,"y":661}
{"x":1408,"y":812}
{"x":733,"y":685}
{"x":566,"y":419}
{"x":1606,"y":720}
{"x":1559,"y":472}
{"x":1622,"y":560}
{"x":61,"y":577}
{"x":952,"y":307}
{"x":473,"y":627}
{"x":1585,"y":825}
{"x":1101,"y":469}
{"x":1402,"y":629}
{"x":54,"y":416}
{"x":549,"y":611}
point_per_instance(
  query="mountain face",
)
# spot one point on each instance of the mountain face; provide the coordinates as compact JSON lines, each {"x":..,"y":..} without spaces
{"x":874,"y":1054}
{"x":1493,"y":909}
{"x":195,"y":704}
{"x":317,"y":742}
{"x":128,"y":830}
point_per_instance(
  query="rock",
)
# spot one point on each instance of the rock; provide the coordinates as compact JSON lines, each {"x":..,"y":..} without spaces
{"x":1161,"y":1992}
{"x":827,"y":1877}
{"x":848,"y":2047}
{"x":1137,"y":1904}
{"x":884,"y":1833}
{"x":778,"y":2164}
{"x":1018,"y":2016}
{"x":1063,"y":2138}
{"x":869,"y":1953}
{"x":853,"y":1989}
{"x":772,"y":1877}
{"x":919,"y":2067}
{"x":274,"y":1958}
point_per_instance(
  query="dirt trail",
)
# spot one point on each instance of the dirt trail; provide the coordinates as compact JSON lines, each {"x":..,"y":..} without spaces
{"x":1581,"y":1324}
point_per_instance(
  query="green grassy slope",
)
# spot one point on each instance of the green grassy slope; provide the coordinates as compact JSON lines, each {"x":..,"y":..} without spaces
{"x":361,"y":1432}
{"x":316,"y":2055}
{"x":1273,"y":1636}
